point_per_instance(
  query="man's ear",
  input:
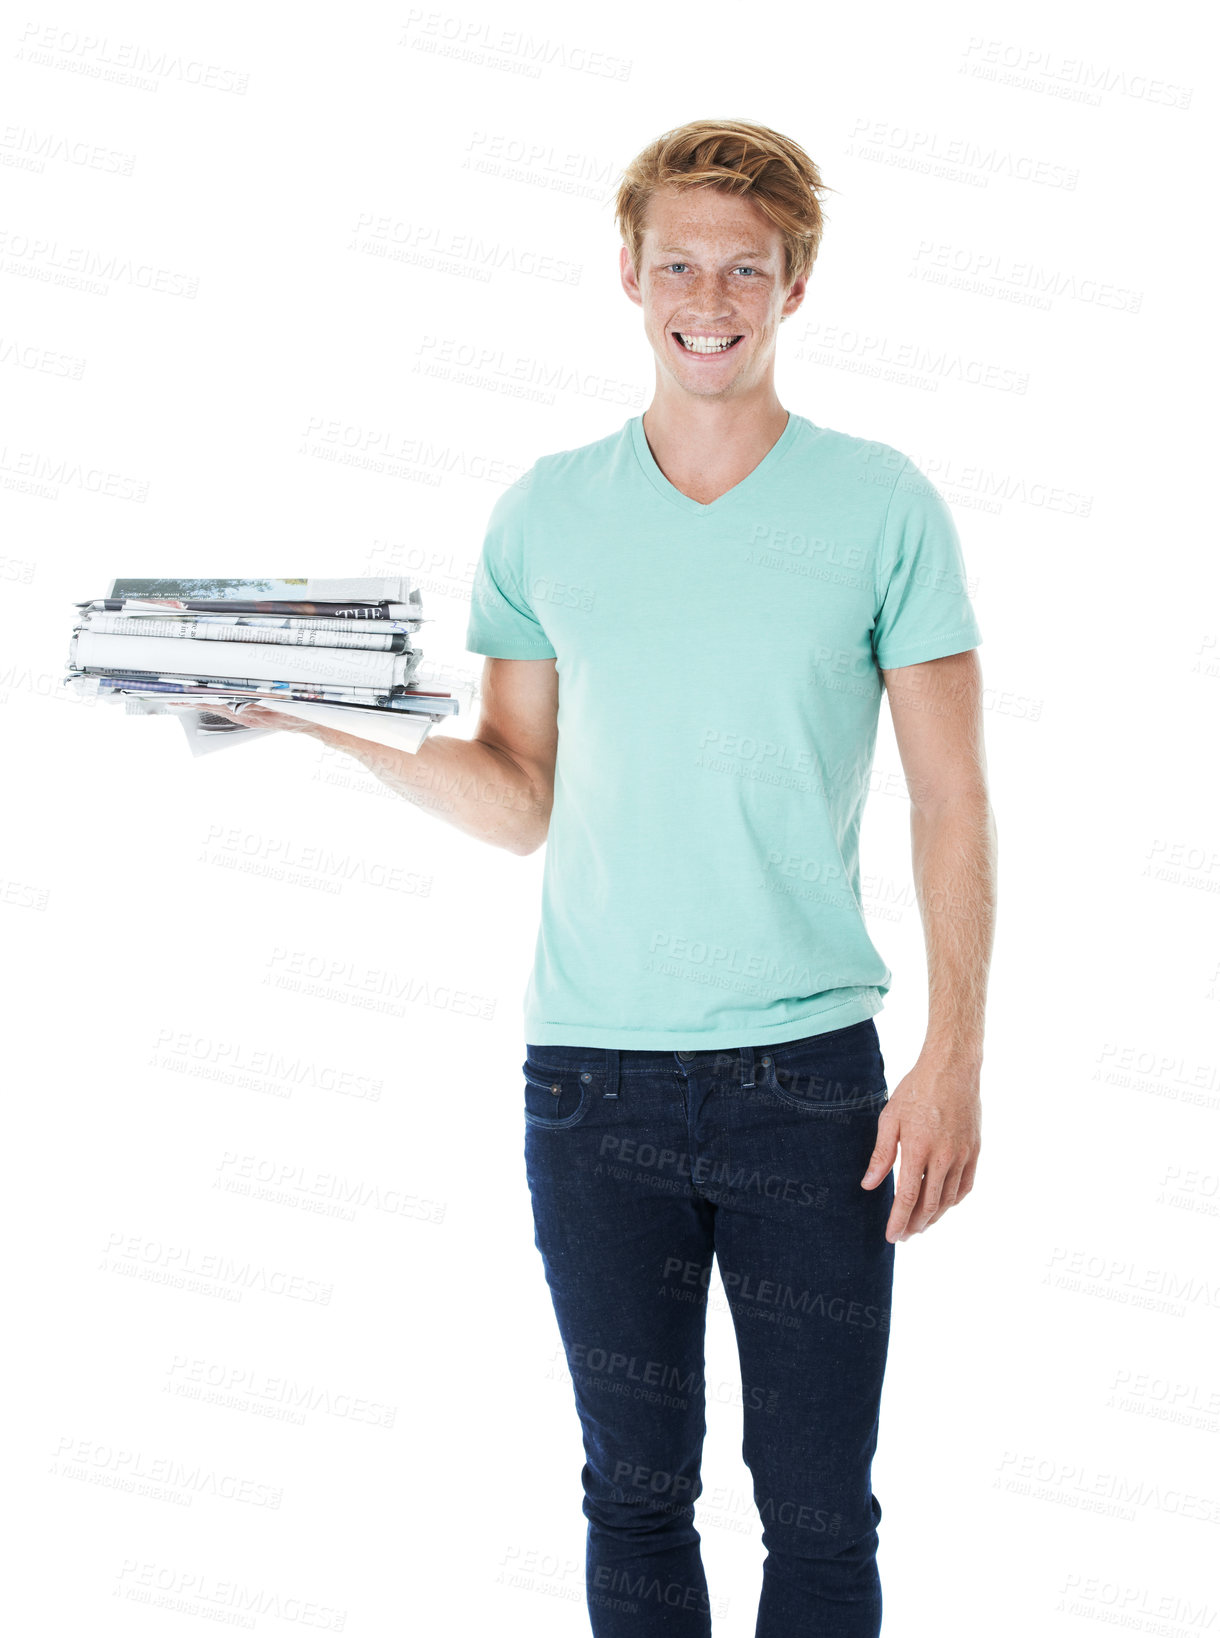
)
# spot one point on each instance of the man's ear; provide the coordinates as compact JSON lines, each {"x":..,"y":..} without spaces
{"x":627,"y":275}
{"x":795,"y":297}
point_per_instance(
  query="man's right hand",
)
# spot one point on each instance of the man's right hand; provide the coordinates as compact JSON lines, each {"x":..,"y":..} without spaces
{"x":498,"y":785}
{"x":257,"y":716}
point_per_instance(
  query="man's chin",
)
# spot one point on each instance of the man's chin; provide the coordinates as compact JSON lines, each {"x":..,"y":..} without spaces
{"x":722,"y":384}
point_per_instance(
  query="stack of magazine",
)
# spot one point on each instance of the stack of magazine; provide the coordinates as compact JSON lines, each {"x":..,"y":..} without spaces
{"x":336,"y":652}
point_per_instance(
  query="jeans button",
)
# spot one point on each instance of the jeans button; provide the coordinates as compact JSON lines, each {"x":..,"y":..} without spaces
{"x":686,"y":1056}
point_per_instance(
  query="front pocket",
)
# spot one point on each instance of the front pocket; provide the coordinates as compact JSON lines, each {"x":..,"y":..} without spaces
{"x":841,"y":1071}
{"x":556,"y":1097}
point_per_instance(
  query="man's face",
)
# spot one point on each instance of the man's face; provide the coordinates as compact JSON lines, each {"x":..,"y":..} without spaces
{"x":711,"y":284}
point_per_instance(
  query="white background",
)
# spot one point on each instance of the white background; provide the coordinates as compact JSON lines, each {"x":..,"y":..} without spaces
{"x":241,"y":295}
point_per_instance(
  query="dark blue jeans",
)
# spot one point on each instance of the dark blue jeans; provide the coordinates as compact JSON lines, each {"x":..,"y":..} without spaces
{"x":642,"y":1167}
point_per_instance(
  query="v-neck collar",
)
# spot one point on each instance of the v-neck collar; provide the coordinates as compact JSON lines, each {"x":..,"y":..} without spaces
{"x":695,"y":508}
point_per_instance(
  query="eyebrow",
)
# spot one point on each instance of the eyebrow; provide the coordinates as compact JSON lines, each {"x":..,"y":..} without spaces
{"x":665,"y":250}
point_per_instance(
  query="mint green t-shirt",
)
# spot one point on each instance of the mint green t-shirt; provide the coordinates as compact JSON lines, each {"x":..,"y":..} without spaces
{"x":719,"y":693}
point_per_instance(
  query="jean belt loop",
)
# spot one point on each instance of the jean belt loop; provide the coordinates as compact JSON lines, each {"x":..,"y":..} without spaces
{"x":611,"y":1087}
{"x":747,"y":1067}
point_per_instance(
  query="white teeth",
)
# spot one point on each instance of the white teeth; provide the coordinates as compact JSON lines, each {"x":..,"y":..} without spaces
{"x":705,"y":344}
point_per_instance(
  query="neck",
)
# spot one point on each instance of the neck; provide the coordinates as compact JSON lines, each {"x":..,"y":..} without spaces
{"x":705,"y":446}
{"x":705,"y":428}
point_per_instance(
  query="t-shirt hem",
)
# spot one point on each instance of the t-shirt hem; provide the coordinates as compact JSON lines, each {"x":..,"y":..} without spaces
{"x":866,"y":1004}
{"x":936,"y":648}
{"x":507,"y":650}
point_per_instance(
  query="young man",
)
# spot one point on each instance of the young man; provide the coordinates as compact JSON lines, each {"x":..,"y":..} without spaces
{"x":688,"y":625}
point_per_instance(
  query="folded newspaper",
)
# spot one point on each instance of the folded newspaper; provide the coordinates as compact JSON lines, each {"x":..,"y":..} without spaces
{"x":337,"y":652}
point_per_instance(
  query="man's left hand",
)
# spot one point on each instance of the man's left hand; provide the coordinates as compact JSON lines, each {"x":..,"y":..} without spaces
{"x":935,"y":1114}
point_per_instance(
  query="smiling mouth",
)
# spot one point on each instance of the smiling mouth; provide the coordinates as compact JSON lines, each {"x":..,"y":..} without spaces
{"x":704,"y":345}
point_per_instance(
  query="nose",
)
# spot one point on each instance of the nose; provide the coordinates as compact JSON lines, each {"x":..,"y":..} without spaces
{"x":709,"y":298}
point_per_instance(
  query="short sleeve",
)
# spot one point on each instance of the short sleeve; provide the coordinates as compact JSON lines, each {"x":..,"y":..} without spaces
{"x":502,"y":621}
{"x":923,"y":606}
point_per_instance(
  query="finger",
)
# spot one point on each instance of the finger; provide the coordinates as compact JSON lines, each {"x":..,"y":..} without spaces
{"x":906,"y":1195}
{"x":968,"y":1171}
{"x":948,"y":1195}
{"x":885,"y":1152}
{"x":966,"y":1180}
{"x":264,"y":717}
{"x":909,"y":1227}
{"x":929,"y":1197}
{"x":257,"y":716}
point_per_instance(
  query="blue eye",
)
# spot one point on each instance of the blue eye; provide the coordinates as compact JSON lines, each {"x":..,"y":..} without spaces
{"x":675,"y":264}
{"x":744,"y":269}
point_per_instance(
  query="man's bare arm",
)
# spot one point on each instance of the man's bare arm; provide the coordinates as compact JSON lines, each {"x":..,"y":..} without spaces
{"x":935,"y":1111}
{"x":937,"y":713}
{"x":498,"y":785}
